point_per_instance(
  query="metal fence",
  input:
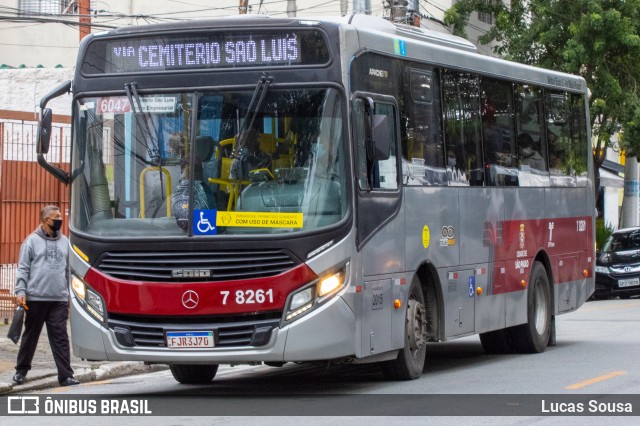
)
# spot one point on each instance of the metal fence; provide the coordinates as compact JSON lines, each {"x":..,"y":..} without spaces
{"x":7,"y":285}
{"x":25,"y":188}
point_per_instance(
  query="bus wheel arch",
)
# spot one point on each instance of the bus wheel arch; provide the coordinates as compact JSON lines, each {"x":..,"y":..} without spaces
{"x":432,"y":291}
{"x":423,"y":313}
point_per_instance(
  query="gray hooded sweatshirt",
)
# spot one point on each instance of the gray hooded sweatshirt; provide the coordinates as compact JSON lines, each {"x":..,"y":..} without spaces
{"x":42,"y":269}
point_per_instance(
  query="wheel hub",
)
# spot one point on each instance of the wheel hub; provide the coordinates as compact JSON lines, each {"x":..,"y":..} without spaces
{"x":417,"y":330}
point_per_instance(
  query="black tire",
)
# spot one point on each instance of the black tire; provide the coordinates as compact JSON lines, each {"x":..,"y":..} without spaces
{"x":410,"y":360}
{"x":533,"y":336}
{"x":496,"y":342}
{"x":625,"y":297}
{"x":189,"y":374}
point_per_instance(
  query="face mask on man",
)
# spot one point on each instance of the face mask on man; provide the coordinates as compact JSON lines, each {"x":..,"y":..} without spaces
{"x":56,"y":225}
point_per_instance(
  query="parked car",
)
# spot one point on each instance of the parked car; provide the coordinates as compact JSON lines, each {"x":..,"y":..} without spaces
{"x":618,"y":265}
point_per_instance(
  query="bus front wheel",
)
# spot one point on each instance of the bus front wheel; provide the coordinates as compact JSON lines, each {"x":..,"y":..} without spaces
{"x":410,"y":361}
{"x":189,"y":374}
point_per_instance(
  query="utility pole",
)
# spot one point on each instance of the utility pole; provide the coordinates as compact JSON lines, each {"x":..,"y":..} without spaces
{"x":630,"y":199}
{"x":398,"y":11}
{"x":244,"y":6}
{"x":292,"y":8}
{"x":84,"y":18}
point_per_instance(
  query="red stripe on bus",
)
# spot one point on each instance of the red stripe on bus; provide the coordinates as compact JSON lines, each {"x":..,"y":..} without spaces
{"x":568,"y":242}
{"x":213,"y":298}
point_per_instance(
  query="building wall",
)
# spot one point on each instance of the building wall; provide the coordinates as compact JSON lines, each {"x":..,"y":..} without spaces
{"x":23,"y":89}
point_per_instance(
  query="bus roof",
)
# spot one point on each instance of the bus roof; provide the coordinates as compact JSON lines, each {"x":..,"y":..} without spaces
{"x":432,"y":45}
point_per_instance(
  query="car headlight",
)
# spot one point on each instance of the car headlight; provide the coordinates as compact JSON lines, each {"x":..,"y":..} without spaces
{"x":605,"y":258}
{"x":602,"y":269}
{"x":317,"y":292}
{"x":88,"y":298}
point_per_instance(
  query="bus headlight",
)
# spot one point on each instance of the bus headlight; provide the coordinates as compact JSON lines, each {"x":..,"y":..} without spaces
{"x":300,"y":303}
{"x":321,"y":290}
{"x":88,"y":298}
{"x":331,"y":284}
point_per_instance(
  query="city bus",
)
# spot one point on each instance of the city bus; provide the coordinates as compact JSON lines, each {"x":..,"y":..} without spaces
{"x":345,"y":190}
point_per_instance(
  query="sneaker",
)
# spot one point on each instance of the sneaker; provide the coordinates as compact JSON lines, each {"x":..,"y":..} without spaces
{"x":69,"y":381}
{"x":19,"y":378}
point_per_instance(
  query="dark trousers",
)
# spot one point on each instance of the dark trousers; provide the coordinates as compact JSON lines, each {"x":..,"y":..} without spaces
{"x":55,"y":315}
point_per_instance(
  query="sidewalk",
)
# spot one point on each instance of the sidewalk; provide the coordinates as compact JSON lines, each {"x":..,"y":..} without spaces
{"x":43,"y":374}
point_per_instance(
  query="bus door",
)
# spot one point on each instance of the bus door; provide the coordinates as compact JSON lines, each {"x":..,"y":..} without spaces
{"x":380,"y":231}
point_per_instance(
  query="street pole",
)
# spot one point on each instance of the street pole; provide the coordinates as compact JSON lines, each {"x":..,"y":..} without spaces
{"x":292,"y":8}
{"x":84,"y":18}
{"x":630,"y":201}
{"x":398,"y":11}
{"x":243,"y":7}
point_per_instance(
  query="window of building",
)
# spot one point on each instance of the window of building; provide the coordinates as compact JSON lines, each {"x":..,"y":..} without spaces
{"x":486,"y":17}
{"x":39,"y":7}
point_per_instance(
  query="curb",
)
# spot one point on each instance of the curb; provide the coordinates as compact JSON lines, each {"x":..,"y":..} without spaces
{"x":103,"y":372}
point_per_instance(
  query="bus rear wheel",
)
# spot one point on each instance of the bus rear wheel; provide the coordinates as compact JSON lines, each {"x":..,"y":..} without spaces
{"x":410,"y":361}
{"x":189,"y":374}
{"x":533,"y":336}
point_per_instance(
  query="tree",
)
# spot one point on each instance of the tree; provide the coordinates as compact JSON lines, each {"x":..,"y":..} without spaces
{"x":596,"y":39}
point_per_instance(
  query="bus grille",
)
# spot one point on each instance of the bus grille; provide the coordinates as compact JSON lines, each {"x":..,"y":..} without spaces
{"x":139,"y":333}
{"x":196,"y":265}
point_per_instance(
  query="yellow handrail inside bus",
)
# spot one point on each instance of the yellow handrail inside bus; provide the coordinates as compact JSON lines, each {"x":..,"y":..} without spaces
{"x":168,"y":195}
{"x":233,"y":188}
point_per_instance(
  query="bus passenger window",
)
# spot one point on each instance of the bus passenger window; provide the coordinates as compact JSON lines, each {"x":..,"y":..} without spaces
{"x":497,"y":133}
{"x":462,"y":128}
{"x":379,"y":174}
{"x":423,"y":160}
{"x":532,"y":152}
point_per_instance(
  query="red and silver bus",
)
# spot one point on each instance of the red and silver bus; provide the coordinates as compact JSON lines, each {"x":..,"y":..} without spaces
{"x":341,"y":190}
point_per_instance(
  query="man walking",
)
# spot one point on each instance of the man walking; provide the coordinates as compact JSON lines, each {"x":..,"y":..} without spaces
{"x":41,"y":283}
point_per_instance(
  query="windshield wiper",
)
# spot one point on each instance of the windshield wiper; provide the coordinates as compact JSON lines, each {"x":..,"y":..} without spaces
{"x":261,"y":89}
{"x":154,"y":153}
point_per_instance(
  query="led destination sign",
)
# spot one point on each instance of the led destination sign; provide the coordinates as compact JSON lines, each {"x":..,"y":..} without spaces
{"x":204,"y":51}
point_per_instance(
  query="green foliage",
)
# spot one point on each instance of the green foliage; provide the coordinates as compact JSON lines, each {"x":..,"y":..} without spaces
{"x":597,"y":39}
{"x":602,"y":232}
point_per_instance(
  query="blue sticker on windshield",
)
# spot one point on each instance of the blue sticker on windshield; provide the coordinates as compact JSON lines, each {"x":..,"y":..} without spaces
{"x":204,"y":222}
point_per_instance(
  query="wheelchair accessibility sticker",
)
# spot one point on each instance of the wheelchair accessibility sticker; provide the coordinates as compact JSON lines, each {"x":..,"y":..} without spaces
{"x":204,"y":222}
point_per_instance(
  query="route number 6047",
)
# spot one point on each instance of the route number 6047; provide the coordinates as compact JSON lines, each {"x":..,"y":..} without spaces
{"x":247,"y":297}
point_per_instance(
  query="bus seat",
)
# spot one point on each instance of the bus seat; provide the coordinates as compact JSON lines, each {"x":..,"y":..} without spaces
{"x":226,"y":147}
{"x":283,"y":162}
{"x":268,"y":144}
{"x":206,"y":147}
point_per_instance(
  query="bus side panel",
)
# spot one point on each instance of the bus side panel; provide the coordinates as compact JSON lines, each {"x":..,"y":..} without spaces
{"x":384,"y":252}
{"x":572,"y":247}
{"x":520,"y":204}
{"x":480,"y":213}
{"x":427,"y":211}
{"x":383,"y":265}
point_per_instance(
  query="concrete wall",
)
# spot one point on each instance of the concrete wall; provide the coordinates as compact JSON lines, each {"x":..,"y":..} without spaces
{"x":23,"y":89}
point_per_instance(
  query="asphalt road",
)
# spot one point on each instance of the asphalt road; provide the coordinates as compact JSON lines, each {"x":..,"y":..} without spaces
{"x":596,"y":354}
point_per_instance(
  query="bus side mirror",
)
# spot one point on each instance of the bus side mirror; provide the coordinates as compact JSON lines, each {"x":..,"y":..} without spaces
{"x":44,"y":131}
{"x":381,"y":137}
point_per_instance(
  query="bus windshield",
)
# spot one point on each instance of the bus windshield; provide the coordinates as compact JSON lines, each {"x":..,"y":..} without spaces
{"x":208,"y":163}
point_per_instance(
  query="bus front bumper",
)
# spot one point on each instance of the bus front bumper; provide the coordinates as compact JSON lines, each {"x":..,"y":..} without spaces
{"x":328,"y":332}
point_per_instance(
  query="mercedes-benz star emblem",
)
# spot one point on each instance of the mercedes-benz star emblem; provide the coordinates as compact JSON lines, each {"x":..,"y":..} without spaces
{"x":190,"y":299}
